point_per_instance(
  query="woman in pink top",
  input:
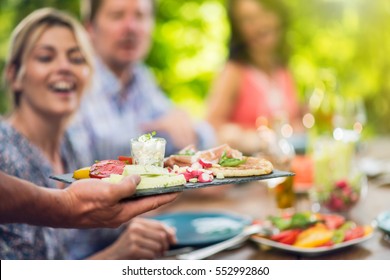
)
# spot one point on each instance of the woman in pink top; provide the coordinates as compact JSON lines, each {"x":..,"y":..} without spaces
{"x":255,"y":84}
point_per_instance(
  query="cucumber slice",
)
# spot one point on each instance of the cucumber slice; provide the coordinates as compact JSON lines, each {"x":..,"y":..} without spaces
{"x":114,"y":178}
{"x":161,"y":181}
{"x":144,"y":170}
{"x":148,"y":182}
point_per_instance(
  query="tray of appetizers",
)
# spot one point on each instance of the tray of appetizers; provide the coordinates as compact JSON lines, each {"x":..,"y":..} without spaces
{"x":159,"y":188}
{"x":189,"y":169}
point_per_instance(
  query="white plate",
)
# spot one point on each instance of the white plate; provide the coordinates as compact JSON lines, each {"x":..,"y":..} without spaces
{"x":374,"y":167}
{"x":309,"y":252}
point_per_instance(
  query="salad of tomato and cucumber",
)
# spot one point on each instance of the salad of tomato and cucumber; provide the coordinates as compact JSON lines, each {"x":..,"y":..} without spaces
{"x":314,"y":230}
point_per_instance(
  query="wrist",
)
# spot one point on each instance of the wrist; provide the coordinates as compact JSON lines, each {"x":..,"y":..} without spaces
{"x":105,"y":254}
{"x":53,"y":208}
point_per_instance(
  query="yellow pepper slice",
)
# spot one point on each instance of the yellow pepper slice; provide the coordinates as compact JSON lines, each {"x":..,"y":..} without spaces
{"x":368,"y":230}
{"x":313,"y":237}
{"x":82,"y":173}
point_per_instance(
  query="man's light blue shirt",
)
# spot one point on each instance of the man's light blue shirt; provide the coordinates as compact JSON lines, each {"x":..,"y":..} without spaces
{"x":110,"y":116}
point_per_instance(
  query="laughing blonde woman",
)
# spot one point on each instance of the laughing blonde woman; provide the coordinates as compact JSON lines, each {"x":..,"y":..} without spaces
{"x":47,"y":70}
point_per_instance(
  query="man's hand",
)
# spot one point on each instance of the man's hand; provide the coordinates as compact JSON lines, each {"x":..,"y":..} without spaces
{"x":177,"y":124}
{"x":95,"y":203}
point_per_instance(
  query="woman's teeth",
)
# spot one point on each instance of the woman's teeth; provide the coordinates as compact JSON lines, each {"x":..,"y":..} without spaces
{"x":62,"y":86}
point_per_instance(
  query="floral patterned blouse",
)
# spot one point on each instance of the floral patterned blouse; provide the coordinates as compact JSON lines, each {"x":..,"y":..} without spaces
{"x":20,"y":158}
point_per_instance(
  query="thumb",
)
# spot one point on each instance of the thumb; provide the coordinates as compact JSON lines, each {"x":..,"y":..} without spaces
{"x":126,"y":187}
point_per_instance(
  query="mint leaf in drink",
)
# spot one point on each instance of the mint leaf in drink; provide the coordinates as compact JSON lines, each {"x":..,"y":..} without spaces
{"x":147,"y":136}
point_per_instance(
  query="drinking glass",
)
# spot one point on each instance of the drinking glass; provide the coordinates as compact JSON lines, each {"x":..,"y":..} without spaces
{"x":150,"y":152}
{"x":338,"y":184}
{"x":349,"y":119}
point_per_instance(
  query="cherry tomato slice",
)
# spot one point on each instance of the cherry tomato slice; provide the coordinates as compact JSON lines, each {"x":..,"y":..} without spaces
{"x":105,"y":168}
{"x":287,"y":236}
{"x":354,"y":233}
{"x":126,"y":159}
{"x":333,"y":221}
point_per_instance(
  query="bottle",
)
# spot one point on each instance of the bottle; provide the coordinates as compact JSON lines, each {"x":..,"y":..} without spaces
{"x":277,"y":149}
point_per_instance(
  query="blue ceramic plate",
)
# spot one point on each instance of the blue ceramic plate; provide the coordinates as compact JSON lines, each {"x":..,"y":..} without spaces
{"x":198,"y":229}
{"x":384,"y":221}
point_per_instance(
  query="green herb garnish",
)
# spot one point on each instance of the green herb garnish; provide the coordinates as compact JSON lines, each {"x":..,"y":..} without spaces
{"x":225,"y":161}
{"x":298,"y":220}
{"x":188,"y":152}
{"x":280,"y":223}
{"x":302,"y":220}
{"x":147,"y":136}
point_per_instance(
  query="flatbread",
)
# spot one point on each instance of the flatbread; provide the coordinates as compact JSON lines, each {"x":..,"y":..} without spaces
{"x":252,"y":167}
{"x":211,"y":155}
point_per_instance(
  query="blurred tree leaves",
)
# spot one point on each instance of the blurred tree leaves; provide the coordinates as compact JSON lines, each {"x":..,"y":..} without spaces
{"x":348,"y":38}
{"x":189,"y":46}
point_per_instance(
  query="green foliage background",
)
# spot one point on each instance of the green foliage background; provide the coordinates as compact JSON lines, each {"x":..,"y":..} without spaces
{"x":346,"y":39}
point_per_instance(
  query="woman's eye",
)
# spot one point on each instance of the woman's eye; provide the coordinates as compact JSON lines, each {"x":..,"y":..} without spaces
{"x":44,"y":58}
{"x":117,"y":15}
{"x":77,"y":59}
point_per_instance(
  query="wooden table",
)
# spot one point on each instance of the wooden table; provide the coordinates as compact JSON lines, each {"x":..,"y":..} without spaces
{"x":256,"y":201}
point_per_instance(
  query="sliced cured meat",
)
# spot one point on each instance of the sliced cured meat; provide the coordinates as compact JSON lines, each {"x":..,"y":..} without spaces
{"x":105,"y":168}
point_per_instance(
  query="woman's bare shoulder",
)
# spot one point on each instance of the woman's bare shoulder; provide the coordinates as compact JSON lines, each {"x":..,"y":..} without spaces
{"x":233,"y":67}
{"x":231,"y":72}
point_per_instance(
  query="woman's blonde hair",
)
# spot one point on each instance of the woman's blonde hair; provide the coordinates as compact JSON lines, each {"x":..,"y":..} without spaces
{"x":28,"y":31}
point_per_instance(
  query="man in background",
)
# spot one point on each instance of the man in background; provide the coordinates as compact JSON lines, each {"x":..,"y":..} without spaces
{"x":124,"y":100}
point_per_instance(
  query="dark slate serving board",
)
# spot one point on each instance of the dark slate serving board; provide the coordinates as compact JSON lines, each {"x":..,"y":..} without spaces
{"x":68,"y":179}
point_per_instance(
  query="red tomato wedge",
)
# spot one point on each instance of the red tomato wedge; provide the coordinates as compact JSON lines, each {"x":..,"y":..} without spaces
{"x":126,"y":159}
{"x":105,"y":168}
{"x":287,"y":236}
{"x":354,"y":233}
{"x":333,"y":221}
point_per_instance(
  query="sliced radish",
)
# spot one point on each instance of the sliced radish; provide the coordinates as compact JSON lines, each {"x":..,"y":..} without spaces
{"x":189,"y":169}
{"x":204,"y":163}
{"x":196,"y":173}
{"x":205,"y":178}
{"x":187,"y":175}
{"x":196,"y":165}
{"x":210,"y":172}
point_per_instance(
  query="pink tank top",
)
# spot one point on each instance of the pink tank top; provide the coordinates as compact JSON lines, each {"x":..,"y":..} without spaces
{"x":262,"y":96}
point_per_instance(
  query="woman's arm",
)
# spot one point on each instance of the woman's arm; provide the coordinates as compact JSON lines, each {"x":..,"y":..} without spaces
{"x":223,"y":95}
{"x":84,"y":204}
{"x":222,"y":100}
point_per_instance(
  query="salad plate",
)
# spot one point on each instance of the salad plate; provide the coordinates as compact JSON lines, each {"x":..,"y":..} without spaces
{"x":313,"y":234}
{"x":308,"y":252}
{"x":68,"y":179}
